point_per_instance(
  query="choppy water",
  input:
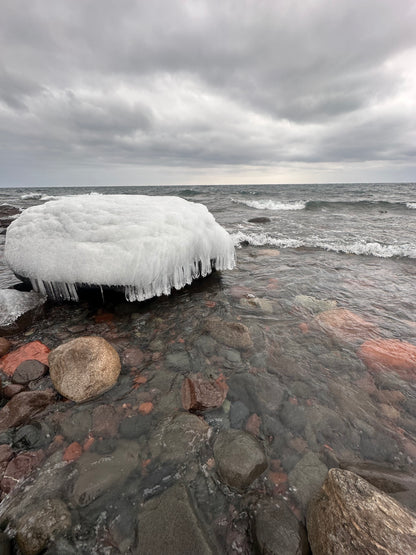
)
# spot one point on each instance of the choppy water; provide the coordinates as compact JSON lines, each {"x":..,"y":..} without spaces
{"x":352,"y":244}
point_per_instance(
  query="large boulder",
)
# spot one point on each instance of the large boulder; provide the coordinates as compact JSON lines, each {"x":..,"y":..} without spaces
{"x":18,"y":309}
{"x":169,"y":524}
{"x":239,"y":457}
{"x":84,"y":368}
{"x":351,"y":516}
{"x":390,"y":355}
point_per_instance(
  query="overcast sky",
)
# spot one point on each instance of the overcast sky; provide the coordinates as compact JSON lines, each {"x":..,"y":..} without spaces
{"x":135,"y":92}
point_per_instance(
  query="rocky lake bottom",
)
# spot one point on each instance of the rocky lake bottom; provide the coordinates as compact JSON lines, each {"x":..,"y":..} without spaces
{"x":236,"y":396}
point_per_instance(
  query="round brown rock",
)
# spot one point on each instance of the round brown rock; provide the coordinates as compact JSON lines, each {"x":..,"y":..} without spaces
{"x":84,"y":368}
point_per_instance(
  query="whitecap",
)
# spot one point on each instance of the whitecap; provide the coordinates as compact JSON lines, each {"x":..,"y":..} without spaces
{"x":271,"y":204}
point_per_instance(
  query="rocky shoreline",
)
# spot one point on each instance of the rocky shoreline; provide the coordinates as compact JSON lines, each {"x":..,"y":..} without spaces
{"x":122,"y":433}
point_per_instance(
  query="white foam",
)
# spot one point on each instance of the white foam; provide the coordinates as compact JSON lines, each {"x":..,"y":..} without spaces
{"x":37,"y":196}
{"x":272,"y":205}
{"x":357,"y":247}
{"x":148,"y":245}
{"x":411,"y":205}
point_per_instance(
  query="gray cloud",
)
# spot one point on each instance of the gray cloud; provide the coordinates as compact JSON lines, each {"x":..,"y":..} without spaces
{"x":204,"y":85}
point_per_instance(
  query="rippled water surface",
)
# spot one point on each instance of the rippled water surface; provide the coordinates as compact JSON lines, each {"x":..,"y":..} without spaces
{"x":318,"y":249}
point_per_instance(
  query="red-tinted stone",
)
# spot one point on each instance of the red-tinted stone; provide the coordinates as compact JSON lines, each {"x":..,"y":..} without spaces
{"x":72,"y":452}
{"x":345,"y":326}
{"x":23,"y":406}
{"x":391,"y":355}
{"x":253,"y":424}
{"x":132,"y":357}
{"x":29,"y":370}
{"x":146,"y":408}
{"x":103,"y":317}
{"x":19,"y":468}
{"x":6,"y":454}
{"x":105,"y":421}
{"x":5,"y":346}
{"x":240,"y":291}
{"x":34,"y":350}
{"x":199,"y":393}
{"x":12,"y":389}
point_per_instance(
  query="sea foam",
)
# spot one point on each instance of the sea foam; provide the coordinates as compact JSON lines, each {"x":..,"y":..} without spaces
{"x":271,"y":204}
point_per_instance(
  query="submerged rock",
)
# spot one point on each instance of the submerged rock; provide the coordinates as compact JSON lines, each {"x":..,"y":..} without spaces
{"x":306,"y":477}
{"x":84,"y":368}
{"x":18,"y":309}
{"x":232,"y":334}
{"x":345,"y":326}
{"x":29,"y":370}
{"x":313,"y":304}
{"x":264,"y":305}
{"x":5,"y":346}
{"x":199,"y":393}
{"x":277,"y":530}
{"x":351,"y":516}
{"x":41,"y":525}
{"x":240,"y":458}
{"x":23,"y":407}
{"x":35,"y":350}
{"x":19,"y":468}
{"x":169,"y":524}
{"x":391,"y":355}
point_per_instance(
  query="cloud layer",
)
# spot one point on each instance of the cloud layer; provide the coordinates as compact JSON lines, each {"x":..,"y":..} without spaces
{"x":136,"y":92}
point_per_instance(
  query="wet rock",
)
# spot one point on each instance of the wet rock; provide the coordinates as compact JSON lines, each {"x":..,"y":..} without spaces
{"x":199,"y":393}
{"x":397,"y":483}
{"x":29,"y":370}
{"x":239,"y":457}
{"x":98,"y":473}
{"x":5,"y":545}
{"x":326,"y":423}
{"x":19,"y":468}
{"x":293,"y":416}
{"x":231,"y":355}
{"x":105,"y":421}
{"x":277,"y":530}
{"x":5,"y":346}
{"x":178,"y":361}
{"x":39,"y":526}
{"x":378,"y":447}
{"x":345,"y":326}
{"x":306,"y":477}
{"x":32,"y":436}
{"x":178,"y":437}
{"x":169,"y":524}
{"x":238,"y":415}
{"x":31,"y":351}
{"x":12,"y":389}
{"x":253,"y":425}
{"x":6,"y":454}
{"x":84,"y":368}
{"x":260,"y":393}
{"x":350,"y":516}
{"x":19,"y":309}
{"x":72,"y":452}
{"x":206,"y":345}
{"x":260,"y":220}
{"x":132,"y":357}
{"x":313,"y":304}
{"x":23,"y":407}
{"x":261,"y":304}
{"x":239,"y":291}
{"x":135,"y":426}
{"x":232,"y":334}
{"x":391,"y":355}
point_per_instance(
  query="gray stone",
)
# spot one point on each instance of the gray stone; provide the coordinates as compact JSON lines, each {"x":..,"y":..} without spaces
{"x":29,"y":370}
{"x":135,"y":426}
{"x":293,"y":417}
{"x":277,"y":530}
{"x":19,"y":309}
{"x":178,"y":361}
{"x":76,"y":426}
{"x":239,"y":457}
{"x":232,"y":334}
{"x":169,"y":524}
{"x":41,"y":524}
{"x":306,"y":478}
{"x":313,"y":304}
{"x":264,"y":305}
{"x":206,"y":345}
{"x":84,"y":368}
{"x":238,"y":414}
{"x":351,"y":516}
{"x":178,"y":437}
{"x":98,"y":473}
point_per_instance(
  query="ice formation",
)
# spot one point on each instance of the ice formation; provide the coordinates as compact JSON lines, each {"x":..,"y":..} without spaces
{"x":148,"y":245}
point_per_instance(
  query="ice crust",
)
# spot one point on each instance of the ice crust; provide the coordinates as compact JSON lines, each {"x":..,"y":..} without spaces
{"x":148,"y":245}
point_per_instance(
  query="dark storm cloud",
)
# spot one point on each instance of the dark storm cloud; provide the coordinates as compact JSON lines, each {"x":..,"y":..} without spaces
{"x":206,"y":84}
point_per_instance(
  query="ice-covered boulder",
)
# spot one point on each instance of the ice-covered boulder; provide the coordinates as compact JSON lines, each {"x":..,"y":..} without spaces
{"x":148,"y":245}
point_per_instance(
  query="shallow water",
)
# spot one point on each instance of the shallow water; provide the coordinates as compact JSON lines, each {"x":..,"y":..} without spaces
{"x":305,"y":382}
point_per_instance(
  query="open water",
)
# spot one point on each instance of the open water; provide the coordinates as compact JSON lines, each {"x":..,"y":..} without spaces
{"x":316,"y":248}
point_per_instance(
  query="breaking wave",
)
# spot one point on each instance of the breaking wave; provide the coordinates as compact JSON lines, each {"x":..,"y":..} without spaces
{"x":411,"y":205}
{"x":272,"y":205}
{"x":37,"y":196}
{"x":357,"y":247}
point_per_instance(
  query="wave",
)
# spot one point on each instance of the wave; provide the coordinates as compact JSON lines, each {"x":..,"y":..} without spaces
{"x":381,"y":205}
{"x":356,"y":247}
{"x":271,"y":204}
{"x":37,"y":196}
